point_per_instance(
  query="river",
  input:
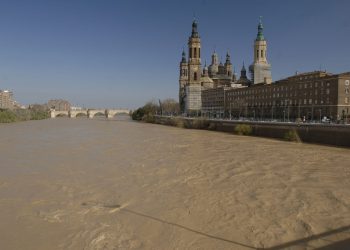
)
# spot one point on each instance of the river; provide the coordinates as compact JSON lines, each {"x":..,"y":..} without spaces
{"x":118,"y":184}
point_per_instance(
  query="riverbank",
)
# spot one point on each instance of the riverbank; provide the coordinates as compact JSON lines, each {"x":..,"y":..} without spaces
{"x":328,"y":134}
{"x":8,"y":116}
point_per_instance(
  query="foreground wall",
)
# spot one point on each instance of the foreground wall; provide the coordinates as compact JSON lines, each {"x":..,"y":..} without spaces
{"x":336,"y":135}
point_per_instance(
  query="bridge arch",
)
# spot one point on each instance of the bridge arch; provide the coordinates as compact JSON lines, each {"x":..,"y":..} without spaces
{"x":92,"y":112}
{"x":114,"y":112}
{"x":55,"y":113}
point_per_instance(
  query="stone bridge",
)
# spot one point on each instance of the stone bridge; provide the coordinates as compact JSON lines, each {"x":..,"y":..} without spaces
{"x":90,"y":113}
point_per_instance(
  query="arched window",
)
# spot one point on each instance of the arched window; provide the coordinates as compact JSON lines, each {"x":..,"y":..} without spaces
{"x":195,"y":52}
{"x":195,"y":76}
{"x":199,"y":52}
{"x":262,"y":54}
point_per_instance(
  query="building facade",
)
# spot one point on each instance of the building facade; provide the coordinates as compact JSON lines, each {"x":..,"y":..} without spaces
{"x":6,"y":100}
{"x":309,"y":96}
{"x":59,"y":105}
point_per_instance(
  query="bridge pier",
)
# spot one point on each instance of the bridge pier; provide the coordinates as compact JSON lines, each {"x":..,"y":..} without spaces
{"x":52,"y":114}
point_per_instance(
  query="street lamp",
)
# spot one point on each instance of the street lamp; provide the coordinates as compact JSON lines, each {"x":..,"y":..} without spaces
{"x":320,"y":115}
{"x":272,"y":112}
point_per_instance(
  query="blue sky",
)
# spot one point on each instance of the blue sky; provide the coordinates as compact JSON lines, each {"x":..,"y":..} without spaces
{"x":125,"y":53}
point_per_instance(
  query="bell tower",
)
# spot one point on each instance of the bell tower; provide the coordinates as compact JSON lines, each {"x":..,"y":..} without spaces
{"x":260,"y":70}
{"x":194,"y":51}
{"x":228,"y":65}
{"x":193,"y":90}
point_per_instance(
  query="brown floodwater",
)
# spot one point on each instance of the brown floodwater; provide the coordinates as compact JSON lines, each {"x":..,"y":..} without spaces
{"x":118,"y":184}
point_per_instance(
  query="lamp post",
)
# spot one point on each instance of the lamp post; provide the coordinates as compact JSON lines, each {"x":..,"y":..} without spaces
{"x":320,"y":115}
{"x":271,"y":112}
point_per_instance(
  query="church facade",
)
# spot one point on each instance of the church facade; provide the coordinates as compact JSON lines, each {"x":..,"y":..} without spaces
{"x":194,"y":79}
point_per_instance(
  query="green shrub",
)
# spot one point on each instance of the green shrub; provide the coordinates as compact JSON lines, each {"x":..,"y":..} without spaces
{"x":178,"y":122}
{"x":138,"y":114}
{"x":7,"y":116}
{"x":39,"y":115}
{"x":292,"y":135}
{"x":22,"y":115}
{"x":243,"y":129}
{"x":149,"y":118}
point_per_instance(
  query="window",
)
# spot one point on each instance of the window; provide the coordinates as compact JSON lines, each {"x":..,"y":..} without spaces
{"x":262,"y":53}
{"x":195,"y":52}
{"x":346,"y":100}
{"x":199,"y":52}
{"x":327,"y":91}
{"x":195,"y":76}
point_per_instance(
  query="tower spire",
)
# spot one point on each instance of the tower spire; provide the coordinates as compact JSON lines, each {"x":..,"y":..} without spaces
{"x":243,"y":67}
{"x":228,"y":58}
{"x":260,"y":35}
{"x":194,"y":28}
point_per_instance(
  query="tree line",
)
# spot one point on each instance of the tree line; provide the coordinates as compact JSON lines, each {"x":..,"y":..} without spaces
{"x":146,"y":113}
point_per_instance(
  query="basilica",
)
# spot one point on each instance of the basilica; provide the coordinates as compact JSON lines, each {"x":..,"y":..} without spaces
{"x":194,"y":79}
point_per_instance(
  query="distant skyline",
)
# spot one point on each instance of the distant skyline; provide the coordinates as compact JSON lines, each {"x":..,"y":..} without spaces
{"x":124,"y":53}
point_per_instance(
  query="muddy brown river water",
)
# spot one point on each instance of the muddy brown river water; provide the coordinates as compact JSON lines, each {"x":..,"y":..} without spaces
{"x":98,"y":184}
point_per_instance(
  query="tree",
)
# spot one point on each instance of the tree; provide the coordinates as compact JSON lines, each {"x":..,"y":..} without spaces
{"x":170,"y":106}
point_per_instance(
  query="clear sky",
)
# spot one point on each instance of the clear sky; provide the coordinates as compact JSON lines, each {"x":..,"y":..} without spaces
{"x":122,"y":53}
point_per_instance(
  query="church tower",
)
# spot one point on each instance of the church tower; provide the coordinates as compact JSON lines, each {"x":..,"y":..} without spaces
{"x":214,"y":66}
{"x":228,"y":65}
{"x":183,"y":79}
{"x":260,"y":70}
{"x":194,"y":51}
{"x":193,"y":95}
